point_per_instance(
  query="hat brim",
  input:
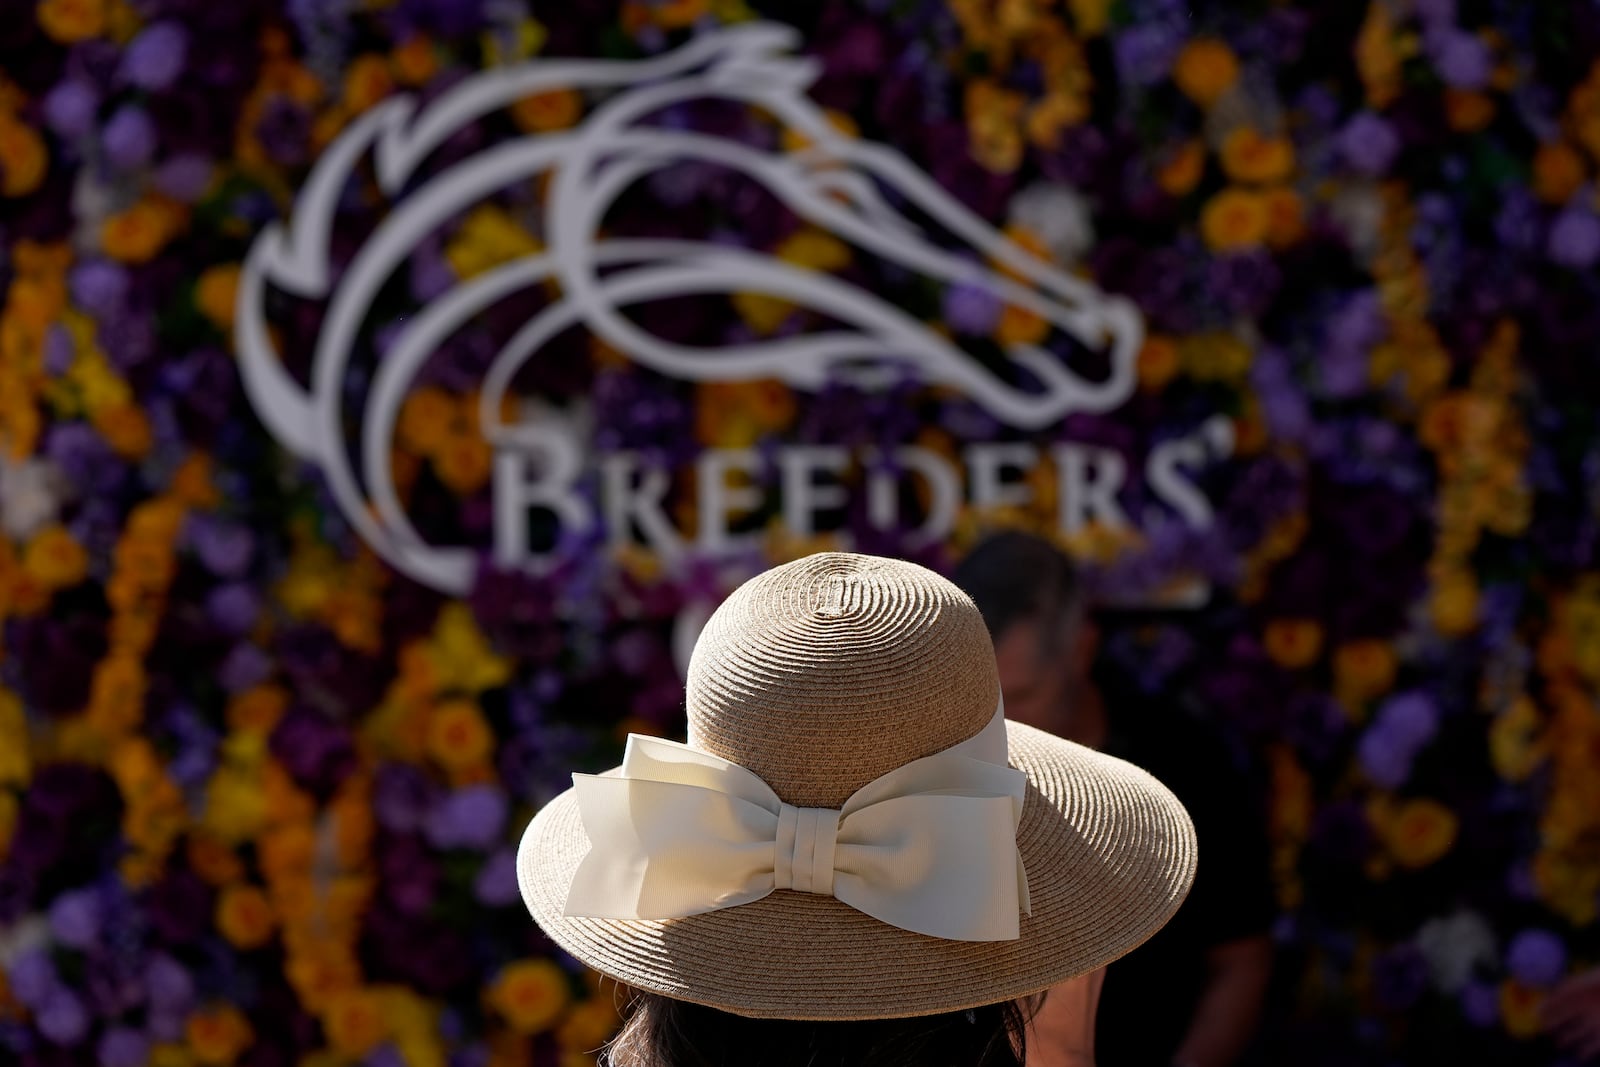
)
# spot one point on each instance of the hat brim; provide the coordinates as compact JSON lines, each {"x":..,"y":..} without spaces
{"x":1110,"y":855}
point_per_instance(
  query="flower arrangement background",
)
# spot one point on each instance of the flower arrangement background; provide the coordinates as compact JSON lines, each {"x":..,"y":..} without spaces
{"x":259,"y":794}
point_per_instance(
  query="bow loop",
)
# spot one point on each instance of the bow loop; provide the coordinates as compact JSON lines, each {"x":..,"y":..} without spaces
{"x":929,"y":847}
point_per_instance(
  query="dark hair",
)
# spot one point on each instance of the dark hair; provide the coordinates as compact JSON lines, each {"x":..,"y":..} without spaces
{"x":662,"y":1032}
{"x":1018,"y":577}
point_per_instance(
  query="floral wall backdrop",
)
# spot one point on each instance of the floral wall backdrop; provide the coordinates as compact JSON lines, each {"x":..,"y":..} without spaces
{"x":259,"y":794}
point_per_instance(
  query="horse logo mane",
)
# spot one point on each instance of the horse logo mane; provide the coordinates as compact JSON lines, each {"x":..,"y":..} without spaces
{"x":840,"y":184}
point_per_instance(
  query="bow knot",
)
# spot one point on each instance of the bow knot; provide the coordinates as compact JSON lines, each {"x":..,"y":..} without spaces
{"x":928,"y":847}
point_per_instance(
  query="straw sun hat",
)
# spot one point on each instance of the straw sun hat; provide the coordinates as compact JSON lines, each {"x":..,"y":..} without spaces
{"x":719,"y":871}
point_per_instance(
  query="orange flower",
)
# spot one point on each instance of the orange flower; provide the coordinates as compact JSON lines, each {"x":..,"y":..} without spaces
{"x":1247,"y":156}
{"x":1293,"y":643}
{"x":994,"y":116}
{"x":1522,"y":1010}
{"x":366,"y":81}
{"x":1158,"y":363}
{"x":55,"y":559}
{"x":464,"y":463}
{"x":459,"y":738}
{"x":1205,"y":69}
{"x":425,"y":421}
{"x":1363,"y":669}
{"x":245,"y":916}
{"x":531,"y":995}
{"x":354,"y":1023}
{"x":218,"y":1035}
{"x":1286,"y":220}
{"x":116,"y":694}
{"x":318,"y":971}
{"x":137,"y":234}
{"x":257,"y":709}
{"x":1558,"y":172}
{"x":414,"y":61}
{"x":679,"y":14}
{"x":191,"y":483}
{"x":70,"y":21}
{"x":1234,"y":219}
{"x":23,"y":158}
{"x":1053,"y":113}
{"x":1468,"y":111}
{"x":1420,"y":832}
{"x":216,"y":293}
{"x":212,"y":859}
{"x":1453,"y":604}
{"x":1183,"y":169}
{"x":125,"y":429}
{"x":1019,"y":326}
{"x":554,"y":109}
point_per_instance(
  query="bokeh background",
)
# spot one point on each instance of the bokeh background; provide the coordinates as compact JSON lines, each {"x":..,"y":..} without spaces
{"x":259,"y":794}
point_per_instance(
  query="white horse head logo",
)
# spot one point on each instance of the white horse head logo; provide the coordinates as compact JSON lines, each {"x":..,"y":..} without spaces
{"x":835,"y":184}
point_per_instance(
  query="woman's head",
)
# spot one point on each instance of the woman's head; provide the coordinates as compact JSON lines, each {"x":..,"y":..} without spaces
{"x":662,"y":1032}
{"x":853,"y":831}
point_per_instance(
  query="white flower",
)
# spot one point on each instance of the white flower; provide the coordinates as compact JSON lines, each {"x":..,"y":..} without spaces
{"x":22,"y":936}
{"x":1059,"y":214}
{"x":30,"y":496}
{"x":1454,"y":946}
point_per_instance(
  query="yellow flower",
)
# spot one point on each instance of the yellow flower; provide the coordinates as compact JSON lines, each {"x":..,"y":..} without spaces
{"x":762,"y":313}
{"x":218,"y":1035}
{"x":813,"y":249}
{"x":1215,"y":357}
{"x":1090,"y":16}
{"x":8,"y":821}
{"x":462,"y":655}
{"x":1516,"y":742}
{"x":1053,"y":113}
{"x":1419,"y":832}
{"x":245,"y":916}
{"x":1363,"y":669}
{"x":1247,"y":156}
{"x":354,"y":1022}
{"x":994,"y":119}
{"x":463,"y":463}
{"x":1293,"y":643}
{"x":488,"y":237}
{"x":1019,"y":326}
{"x":216,"y":293}
{"x":1205,"y":69}
{"x":1234,"y":219}
{"x":1453,"y":602}
{"x":588,"y":1025}
{"x":531,"y":995}
{"x":1158,"y":363}
{"x":70,"y":21}
{"x":55,"y":559}
{"x":170,"y":1055}
{"x":23,"y":158}
{"x":459,"y":737}
{"x":554,"y":109}
{"x":1377,"y":58}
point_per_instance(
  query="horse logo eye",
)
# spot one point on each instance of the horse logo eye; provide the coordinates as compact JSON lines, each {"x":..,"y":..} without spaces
{"x":841,"y":185}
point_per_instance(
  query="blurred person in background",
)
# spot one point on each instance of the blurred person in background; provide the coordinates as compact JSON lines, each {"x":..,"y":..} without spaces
{"x":1192,"y":996}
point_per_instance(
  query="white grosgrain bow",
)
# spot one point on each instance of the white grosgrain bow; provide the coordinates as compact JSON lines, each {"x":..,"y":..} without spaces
{"x":930,"y":847}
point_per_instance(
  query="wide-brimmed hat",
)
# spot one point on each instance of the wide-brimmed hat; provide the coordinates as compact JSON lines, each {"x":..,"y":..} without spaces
{"x":840,"y":836}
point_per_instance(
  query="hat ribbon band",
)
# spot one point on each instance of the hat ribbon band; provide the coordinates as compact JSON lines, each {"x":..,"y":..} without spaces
{"x":929,"y":847}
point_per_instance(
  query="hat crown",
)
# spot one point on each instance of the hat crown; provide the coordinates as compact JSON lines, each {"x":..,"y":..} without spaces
{"x":826,"y":673}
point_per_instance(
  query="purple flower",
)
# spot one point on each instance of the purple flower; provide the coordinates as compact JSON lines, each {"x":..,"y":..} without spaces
{"x":123,"y":1047}
{"x":1518,"y":224}
{"x":33,"y":978}
{"x":496,"y":884}
{"x":400,"y":797}
{"x":1480,"y":1004}
{"x":246,"y":665}
{"x":1353,"y":330}
{"x":58,"y":351}
{"x":1369,"y":144}
{"x":184,"y":177}
{"x":1575,"y":239}
{"x":474,"y":817}
{"x":1536,"y":958}
{"x":170,"y":987}
{"x":98,"y":286}
{"x":1461,"y":58}
{"x":156,"y":57}
{"x":129,"y":139}
{"x":70,"y":108}
{"x":1384,"y":759}
{"x":234,"y":607}
{"x":971,"y":309}
{"x":1144,"y":53}
{"x":226,"y":548}
{"x":1435,"y":13}
{"x":62,"y":1019}
{"x":316,"y":751}
{"x":76,"y":917}
{"x":1244,"y":283}
{"x":1412,"y":719}
{"x":386,"y":1055}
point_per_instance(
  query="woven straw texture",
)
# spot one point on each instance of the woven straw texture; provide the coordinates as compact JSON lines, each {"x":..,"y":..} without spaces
{"x":820,"y":676}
